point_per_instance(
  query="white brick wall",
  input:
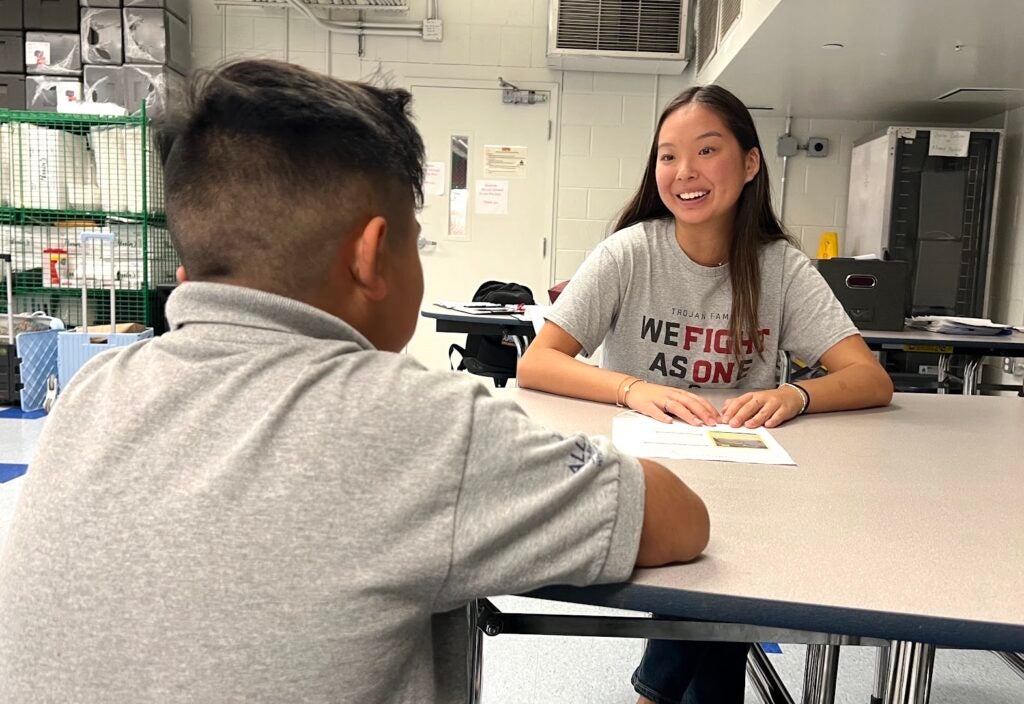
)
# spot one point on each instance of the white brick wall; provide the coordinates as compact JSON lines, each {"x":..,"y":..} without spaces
{"x":606,"y":120}
{"x":816,"y":187}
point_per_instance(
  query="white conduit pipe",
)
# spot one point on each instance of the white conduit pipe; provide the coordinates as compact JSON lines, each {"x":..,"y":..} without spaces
{"x":782,"y":181}
{"x":380,"y":29}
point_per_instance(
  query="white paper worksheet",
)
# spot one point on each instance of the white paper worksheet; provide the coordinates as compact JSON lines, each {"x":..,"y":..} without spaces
{"x":641,"y":436}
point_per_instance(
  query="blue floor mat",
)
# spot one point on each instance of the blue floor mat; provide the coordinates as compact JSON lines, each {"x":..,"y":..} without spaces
{"x":11,"y":471}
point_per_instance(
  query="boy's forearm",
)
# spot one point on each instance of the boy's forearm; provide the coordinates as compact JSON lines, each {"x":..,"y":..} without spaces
{"x":676,"y":524}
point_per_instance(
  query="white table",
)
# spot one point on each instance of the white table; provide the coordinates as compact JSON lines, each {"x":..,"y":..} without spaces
{"x":900,"y":524}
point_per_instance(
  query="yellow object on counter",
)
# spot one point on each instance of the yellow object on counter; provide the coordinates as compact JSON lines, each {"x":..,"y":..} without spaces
{"x":828,"y":245}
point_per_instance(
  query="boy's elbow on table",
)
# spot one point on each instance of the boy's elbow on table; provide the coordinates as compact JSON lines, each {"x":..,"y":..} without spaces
{"x":676,"y":522}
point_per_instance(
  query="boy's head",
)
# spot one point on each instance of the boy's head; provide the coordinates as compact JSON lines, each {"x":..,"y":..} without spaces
{"x":285,"y":180}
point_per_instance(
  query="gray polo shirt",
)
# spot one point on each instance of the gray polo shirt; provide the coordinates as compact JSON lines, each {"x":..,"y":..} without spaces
{"x":260,"y":507}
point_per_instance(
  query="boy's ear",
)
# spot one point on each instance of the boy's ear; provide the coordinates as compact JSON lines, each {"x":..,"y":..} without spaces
{"x":366,"y":262}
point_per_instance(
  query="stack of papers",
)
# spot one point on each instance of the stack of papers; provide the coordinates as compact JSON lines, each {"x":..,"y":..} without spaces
{"x":958,"y":326}
{"x":640,"y":436}
{"x":483,"y":308}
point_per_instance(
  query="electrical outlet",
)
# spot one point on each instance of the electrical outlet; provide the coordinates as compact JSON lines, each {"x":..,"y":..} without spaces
{"x":817,"y":146}
{"x":1013,"y":366}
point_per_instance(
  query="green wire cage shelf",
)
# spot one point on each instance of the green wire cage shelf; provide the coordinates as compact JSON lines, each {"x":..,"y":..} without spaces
{"x":65,"y":174}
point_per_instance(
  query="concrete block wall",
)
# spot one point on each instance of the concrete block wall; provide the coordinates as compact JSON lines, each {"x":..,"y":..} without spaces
{"x":606,"y":120}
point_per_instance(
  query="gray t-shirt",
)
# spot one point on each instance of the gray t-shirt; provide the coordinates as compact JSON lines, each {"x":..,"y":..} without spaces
{"x":665,"y":319}
{"x":260,"y":507}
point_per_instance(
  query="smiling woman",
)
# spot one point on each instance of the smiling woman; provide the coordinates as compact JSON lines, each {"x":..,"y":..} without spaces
{"x":701,"y":287}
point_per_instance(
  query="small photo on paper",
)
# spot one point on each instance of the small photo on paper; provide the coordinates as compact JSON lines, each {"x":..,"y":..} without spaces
{"x":747,"y":441}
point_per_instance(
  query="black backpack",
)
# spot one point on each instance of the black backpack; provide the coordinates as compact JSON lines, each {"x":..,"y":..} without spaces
{"x":492,"y":355}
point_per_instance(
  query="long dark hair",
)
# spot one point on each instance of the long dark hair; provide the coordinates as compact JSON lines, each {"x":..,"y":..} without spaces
{"x":755,"y":225}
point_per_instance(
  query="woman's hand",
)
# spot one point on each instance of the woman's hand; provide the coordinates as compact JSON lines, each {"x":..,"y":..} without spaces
{"x":664,"y":402}
{"x":767,"y":408}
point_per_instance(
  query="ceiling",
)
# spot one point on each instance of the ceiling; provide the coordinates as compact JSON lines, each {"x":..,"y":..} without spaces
{"x":898,"y":56}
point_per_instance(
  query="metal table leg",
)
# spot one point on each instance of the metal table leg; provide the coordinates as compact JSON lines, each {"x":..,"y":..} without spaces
{"x":475,"y":654}
{"x":765,"y":679}
{"x":910,"y":673}
{"x":943,"y":374}
{"x":881,"y":672}
{"x":820,"y":669}
{"x":1015,"y":661}
{"x":971,"y":373}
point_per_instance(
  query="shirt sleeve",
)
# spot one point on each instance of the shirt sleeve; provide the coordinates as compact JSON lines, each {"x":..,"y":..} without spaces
{"x":537,"y":508}
{"x":813,"y":319}
{"x":590,"y":303}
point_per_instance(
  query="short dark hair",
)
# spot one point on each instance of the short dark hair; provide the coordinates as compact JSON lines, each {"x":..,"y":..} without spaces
{"x":271,"y":164}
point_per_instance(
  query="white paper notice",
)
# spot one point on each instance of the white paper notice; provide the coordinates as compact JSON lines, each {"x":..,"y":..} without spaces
{"x":37,"y":53}
{"x":641,"y":436}
{"x":505,"y":161}
{"x":949,"y":143}
{"x":433,"y":178}
{"x":491,"y":197}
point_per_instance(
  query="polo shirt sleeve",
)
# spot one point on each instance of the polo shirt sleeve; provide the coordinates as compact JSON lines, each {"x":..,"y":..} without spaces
{"x":535,"y":508}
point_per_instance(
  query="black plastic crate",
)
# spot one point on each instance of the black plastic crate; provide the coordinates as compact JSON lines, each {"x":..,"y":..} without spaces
{"x":10,"y":378}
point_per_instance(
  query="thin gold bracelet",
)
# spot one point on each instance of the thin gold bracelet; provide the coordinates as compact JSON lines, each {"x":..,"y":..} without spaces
{"x":619,"y":395}
{"x":625,"y":395}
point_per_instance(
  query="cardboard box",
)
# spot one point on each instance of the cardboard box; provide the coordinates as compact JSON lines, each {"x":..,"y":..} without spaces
{"x":12,"y":91}
{"x":48,"y":93}
{"x":12,"y":52}
{"x":178,"y":8}
{"x":102,"y":41}
{"x":154,"y":36}
{"x":11,"y":16}
{"x":51,"y":15}
{"x":100,"y":3}
{"x":872,"y":292}
{"x":132,"y":85}
{"x":118,"y":328}
{"x":53,"y":54}
{"x":159,"y":86}
{"x":104,"y":84}
{"x":117,"y":151}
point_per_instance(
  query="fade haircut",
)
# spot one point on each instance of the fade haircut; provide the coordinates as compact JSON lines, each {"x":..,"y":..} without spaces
{"x":271,"y":165}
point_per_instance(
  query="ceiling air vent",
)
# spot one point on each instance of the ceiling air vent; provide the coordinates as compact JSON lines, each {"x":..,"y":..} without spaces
{"x":714,"y":20}
{"x":707,"y":31}
{"x":730,"y":13}
{"x":639,"y":36}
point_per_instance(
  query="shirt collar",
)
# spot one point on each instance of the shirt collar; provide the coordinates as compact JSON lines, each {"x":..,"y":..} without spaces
{"x":237,"y":306}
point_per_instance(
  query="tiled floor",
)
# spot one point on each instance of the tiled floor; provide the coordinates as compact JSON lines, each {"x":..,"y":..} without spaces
{"x":542,"y":670}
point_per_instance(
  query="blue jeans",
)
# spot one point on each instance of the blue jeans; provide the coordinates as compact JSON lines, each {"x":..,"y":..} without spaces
{"x":692,"y":672}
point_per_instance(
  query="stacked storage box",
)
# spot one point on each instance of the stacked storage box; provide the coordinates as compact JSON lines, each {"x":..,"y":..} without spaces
{"x":151,"y":40}
{"x":124,"y":54}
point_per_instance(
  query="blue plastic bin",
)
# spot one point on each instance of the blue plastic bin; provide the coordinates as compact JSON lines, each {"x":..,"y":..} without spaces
{"x":75,"y":348}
